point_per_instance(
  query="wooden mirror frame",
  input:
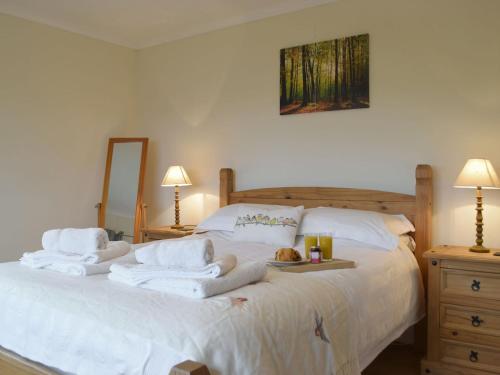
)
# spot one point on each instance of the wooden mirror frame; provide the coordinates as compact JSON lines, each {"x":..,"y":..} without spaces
{"x":140,"y":188}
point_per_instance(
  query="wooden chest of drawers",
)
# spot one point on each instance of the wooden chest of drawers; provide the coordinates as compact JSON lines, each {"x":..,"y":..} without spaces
{"x":463,"y":312}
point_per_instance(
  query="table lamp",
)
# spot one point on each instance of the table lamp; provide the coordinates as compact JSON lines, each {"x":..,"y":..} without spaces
{"x":176,"y":176}
{"x":478,"y":174}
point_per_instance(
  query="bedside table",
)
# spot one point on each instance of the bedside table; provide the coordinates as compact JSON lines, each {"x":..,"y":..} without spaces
{"x":166,"y":232}
{"x":463,"y":319}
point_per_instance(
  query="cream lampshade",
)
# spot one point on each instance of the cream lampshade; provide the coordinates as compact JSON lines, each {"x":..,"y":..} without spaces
{"x":478,"y":174}
{"x":176,"y":176}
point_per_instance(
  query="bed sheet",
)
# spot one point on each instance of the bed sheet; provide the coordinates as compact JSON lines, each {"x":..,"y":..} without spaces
{"x":95,"y":326}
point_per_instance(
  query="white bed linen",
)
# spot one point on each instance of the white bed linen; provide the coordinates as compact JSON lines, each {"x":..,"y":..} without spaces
{"x":95,"y":326}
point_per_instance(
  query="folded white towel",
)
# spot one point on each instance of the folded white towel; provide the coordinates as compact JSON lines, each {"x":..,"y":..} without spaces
{"x":187,"y":253}
{"x":114,"y":249}
{"x":201,"y":288}
{"x":78,"y":268}
{"x":42,"y":258}
{"x":78,"y":241}
{"x":140,"y":273}
{"x":82,"y":269}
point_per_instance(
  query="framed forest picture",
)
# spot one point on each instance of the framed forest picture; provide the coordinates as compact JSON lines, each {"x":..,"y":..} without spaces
{"x":325,"y":76}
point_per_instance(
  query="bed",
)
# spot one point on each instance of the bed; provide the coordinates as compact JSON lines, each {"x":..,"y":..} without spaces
{"x":54,"y":323}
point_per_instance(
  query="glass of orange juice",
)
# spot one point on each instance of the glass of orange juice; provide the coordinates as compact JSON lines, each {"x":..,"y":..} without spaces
{"x":326,"y":245}
{"x":310,"y":240}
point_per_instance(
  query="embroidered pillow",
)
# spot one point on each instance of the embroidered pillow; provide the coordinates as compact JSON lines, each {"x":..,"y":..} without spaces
{"x":225,"y":218}
{"x":274,"y":226}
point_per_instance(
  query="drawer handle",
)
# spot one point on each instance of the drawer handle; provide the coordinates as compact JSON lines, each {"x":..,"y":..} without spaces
{"x":473,"y":356}
{"x":476,"y":285}
{"x":476,"y":321}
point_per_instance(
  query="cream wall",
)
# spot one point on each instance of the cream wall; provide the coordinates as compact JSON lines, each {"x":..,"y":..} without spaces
{"x":61,"y":96}
{"x":212,"y":101}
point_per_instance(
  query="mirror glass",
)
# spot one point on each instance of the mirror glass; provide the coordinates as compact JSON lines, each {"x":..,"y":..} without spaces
{"x":122,"y":200}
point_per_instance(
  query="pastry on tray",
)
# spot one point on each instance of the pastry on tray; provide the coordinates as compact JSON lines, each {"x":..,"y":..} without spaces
{"x":287,"y":254}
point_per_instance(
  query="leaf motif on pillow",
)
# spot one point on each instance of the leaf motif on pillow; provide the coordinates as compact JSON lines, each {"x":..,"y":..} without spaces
{"x":261,"y":219}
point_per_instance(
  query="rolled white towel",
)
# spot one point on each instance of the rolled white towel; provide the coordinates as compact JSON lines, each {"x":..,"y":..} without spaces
{"x":140,"y":273}
{"x":75,"y":268}
{"x":78,"y":241}
{"x":241,"y":275}
{"x":43,"y":258}
{"x":187,"y":253}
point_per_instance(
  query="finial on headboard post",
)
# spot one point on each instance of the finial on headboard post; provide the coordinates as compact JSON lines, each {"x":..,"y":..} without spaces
{"x":423,"y":219}
{"x":226,"y":186}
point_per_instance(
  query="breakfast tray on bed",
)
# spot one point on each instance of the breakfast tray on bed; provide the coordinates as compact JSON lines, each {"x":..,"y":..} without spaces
{"x":333,"y":264}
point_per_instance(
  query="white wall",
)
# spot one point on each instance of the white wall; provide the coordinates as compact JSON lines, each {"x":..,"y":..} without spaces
{"x":212,"y":101}
{"x":61,"y":96}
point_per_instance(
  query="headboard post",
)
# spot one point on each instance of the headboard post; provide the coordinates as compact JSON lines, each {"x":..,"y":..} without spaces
{"x":423,"y":217}
{"x":226,"y":185}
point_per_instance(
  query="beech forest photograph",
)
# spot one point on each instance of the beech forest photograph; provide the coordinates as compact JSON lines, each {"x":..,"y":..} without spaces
{"x":325,"y":76}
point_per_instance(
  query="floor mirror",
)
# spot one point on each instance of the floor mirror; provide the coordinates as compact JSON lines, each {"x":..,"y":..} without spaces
{"x":120,"y":211}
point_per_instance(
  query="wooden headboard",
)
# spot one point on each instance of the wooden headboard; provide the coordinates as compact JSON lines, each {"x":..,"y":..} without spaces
{"x":417,"y":208}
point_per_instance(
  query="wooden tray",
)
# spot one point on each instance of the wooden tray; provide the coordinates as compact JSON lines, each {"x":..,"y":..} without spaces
{"x":334,"y":264}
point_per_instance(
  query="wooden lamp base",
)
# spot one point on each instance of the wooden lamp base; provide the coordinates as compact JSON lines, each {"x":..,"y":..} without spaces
{"x":478,"y":247}
{"x":177,"y":224}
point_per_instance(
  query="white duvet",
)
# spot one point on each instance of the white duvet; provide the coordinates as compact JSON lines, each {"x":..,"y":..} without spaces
{"x":329,"y":322}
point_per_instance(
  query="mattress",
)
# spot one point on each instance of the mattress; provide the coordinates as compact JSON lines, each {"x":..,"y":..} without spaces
{"x":94,"y":326}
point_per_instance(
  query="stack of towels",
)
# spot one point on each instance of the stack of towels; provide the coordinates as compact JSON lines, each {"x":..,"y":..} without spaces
{"x":186,"y":267}
{"x":79,"y":252}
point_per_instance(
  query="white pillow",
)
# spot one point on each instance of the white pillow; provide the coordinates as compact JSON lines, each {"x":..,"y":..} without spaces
{"x":275,"y":227}
{"x":398,"y":224}
{"x":225,"y":218}
{"x":373,"y":228}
